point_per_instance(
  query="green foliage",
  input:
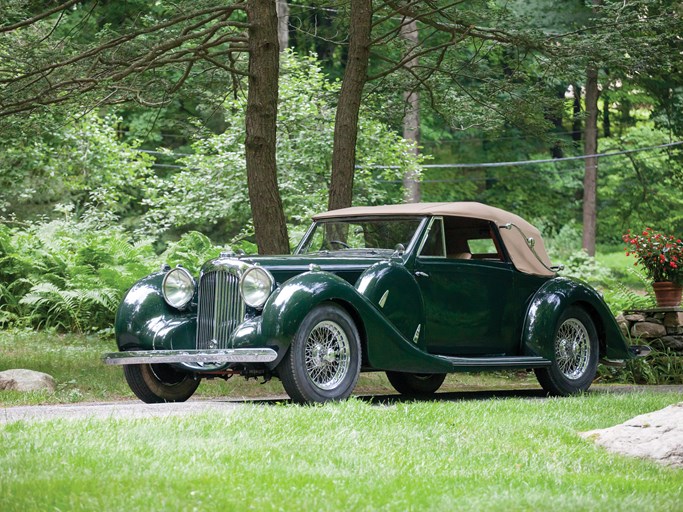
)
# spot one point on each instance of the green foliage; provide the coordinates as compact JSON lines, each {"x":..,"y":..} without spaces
{"x":210,"y":193}
{"x":76,"y":161}
{"x":662,"y":366}
{"x":641,"y":189}
{"x":621,"y":298}
{"x":70,"y":274}
{"x":191,"y":251}
{"x":580,"y":265}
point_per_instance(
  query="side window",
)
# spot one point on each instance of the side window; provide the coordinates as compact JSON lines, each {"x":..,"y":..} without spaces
{"x":434,"y":245}
{"x":468,"y":238}
{"x":484,"y":247}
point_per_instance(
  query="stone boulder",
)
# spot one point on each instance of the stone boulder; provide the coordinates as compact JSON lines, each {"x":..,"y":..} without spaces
{"x":648,"y":330}
{"x":657,"y":435}
{"x":26,"y":380}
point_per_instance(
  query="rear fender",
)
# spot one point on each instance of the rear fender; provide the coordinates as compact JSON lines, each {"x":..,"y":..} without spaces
{"x":548,"y":304}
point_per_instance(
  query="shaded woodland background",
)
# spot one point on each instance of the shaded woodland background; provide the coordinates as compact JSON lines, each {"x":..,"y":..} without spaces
{"x":136,"y":132}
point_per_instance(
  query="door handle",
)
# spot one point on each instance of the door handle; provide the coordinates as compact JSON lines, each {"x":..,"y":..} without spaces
{"x":421,"y":274}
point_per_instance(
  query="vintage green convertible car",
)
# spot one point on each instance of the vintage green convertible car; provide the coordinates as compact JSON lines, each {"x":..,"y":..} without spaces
{"x":415,"y":290}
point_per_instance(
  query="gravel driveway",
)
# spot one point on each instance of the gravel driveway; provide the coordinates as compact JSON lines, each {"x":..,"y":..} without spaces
{"x":137,"y":409}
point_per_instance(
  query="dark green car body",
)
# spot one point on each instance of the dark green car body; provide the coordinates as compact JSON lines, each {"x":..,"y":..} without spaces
{"x":414,"y":313}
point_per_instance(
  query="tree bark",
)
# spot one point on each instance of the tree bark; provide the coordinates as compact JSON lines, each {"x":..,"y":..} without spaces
{"x":590,"y":179}
{"x":411,"y":119}
{"x":576,"y":110}
{"x":261,"y":121}
{"x":346,"y":121}
{"x":606,"y":121}
{"x":283,"y":24}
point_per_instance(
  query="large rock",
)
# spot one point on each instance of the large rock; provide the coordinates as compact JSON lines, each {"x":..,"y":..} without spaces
{"x":672,"y":342}
{"x":657,"y":435}
{"x":26,"y":380}
{"x":673,"y":319}
{"x":648,"y":330}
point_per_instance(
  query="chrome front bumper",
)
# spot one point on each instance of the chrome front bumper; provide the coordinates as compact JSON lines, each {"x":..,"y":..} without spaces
{"x":231,"y":355}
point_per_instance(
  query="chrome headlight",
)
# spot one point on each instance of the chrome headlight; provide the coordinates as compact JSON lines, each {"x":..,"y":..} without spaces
{"x":256,"y":286}
{"x":178,"y":287}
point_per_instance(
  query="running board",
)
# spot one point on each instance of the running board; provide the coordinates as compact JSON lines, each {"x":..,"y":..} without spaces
{"x":496,"y":362}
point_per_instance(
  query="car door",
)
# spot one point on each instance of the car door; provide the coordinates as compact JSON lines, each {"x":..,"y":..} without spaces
{"x":467,"y":285}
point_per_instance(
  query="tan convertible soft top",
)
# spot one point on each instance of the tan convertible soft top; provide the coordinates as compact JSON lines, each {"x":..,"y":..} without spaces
{"x":530,"y":258}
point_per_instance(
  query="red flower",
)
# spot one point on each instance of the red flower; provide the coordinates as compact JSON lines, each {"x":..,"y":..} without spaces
{"x":658,"y":253}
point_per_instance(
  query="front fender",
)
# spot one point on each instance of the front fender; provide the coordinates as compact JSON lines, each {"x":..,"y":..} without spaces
{"x":144,"y":321}
{"x":386,"y":347}
{"x":548,"y":304}
{"x":288,"y":305}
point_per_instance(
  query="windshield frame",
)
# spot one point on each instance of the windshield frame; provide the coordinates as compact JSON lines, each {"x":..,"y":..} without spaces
{"x":417,"y":235}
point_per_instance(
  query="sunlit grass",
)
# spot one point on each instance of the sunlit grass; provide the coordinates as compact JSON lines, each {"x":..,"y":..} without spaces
{"x":494,"y":454}
{"x":614,"y":258}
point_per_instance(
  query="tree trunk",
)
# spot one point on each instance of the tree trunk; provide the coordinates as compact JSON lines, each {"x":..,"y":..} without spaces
{"x":346,"y":121}
{"x":261,"y":121}
{"x":282,"y":24}
{"x":606,"y":122}
{"x":576,"y":122}
{"x":555,"y":117}
{"x":411,"y":119}
{"x":590,"y":179}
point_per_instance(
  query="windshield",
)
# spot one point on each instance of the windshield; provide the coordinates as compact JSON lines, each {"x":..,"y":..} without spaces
{"x":367,"y":236}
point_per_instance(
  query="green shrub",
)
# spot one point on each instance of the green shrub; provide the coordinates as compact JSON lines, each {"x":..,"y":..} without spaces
{"x":70,"y":274}
{"x":662,"y":366}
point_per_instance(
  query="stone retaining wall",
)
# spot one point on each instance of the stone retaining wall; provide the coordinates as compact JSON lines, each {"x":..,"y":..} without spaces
{"x":659,"y":327}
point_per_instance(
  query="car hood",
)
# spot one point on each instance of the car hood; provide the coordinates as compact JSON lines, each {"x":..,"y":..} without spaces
{"x":287,"y":266}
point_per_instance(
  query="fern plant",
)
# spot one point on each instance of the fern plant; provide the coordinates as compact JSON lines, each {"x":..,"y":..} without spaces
{"x":70,"y":274}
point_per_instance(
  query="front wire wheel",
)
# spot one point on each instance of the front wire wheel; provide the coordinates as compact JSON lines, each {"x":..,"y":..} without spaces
{"x":575,"y":355}
{"x":323,"y":361}
{"x":159,"y":383}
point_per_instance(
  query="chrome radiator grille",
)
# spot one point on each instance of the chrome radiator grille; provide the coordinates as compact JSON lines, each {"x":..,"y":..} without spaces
{"x":221,"y":309}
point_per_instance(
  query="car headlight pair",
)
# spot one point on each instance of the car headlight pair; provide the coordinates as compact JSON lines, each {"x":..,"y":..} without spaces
{"x":256,"y":284}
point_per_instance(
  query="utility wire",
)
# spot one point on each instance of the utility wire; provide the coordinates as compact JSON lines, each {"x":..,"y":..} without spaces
{"x":541,"y":161}
{"x":465,"y":166}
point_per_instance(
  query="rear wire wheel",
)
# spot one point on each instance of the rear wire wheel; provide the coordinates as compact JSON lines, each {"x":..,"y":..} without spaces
{"x":159,"y":383}
{"x":416,"y":384}
{"x":575,"y":355}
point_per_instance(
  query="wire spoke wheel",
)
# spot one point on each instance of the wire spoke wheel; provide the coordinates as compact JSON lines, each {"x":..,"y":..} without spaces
{"x":327,"y":355}
{"x":575,"y":354}
{"x":572,"y":349}
{"x":159,"y":383}
{"x":323,"y":361}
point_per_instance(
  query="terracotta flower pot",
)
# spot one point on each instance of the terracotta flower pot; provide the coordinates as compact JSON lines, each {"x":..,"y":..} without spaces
{"x":667,"y":294}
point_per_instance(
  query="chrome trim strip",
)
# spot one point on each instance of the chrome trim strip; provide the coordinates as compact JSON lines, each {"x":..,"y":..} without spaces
{"x":233,"y":355}
{"x":433,"y":221}
{"x":498,"y":362}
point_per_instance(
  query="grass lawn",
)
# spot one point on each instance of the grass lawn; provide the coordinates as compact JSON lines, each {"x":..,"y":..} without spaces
{"x":614,"y":258}
{"x":512,"y":454}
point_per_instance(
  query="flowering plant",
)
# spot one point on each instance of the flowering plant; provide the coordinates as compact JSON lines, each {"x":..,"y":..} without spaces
{"x":659,"y":254}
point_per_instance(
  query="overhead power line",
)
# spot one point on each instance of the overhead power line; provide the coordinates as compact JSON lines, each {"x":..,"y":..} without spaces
{"x":541,"y":161}
{"x":464,"y":166}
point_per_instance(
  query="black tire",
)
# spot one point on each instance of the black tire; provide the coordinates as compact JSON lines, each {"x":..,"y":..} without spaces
{"x":416,"y":384}
{"x":323,"y":361}
{"x":159,"y":383}
{"x":575,"y":355}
